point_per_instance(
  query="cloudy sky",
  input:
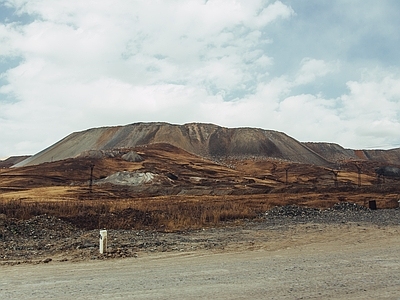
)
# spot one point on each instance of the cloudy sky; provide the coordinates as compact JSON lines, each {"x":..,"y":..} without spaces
{"x":318,"y":70}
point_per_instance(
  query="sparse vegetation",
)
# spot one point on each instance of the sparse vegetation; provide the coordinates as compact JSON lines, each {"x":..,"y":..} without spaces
{"x":175,"y":213}
{"x":188,"y":192}
{"x":158,"y":213}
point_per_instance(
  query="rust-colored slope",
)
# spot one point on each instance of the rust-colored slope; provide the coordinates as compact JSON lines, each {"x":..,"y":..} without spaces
{"x":205,"y":140}
{"x":177,"y":172}
{"x":336,"y":153}
{"x":391,"y":156}
{"x":179,"y":175}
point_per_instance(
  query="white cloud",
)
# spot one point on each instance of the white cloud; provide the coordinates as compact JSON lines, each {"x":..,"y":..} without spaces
{"x":313,"y":68}
{"x":271,"y":13}
{"x":372,"y":109}
{"x":91,"y":63}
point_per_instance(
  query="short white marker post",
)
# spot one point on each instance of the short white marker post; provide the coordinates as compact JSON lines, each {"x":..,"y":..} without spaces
{"x":103,"y":241}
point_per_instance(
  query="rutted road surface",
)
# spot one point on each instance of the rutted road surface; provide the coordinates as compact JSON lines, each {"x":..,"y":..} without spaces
{"x":318,"y":261}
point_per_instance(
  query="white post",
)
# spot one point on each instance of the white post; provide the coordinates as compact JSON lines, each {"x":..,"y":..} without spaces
{"x":103,"y":241}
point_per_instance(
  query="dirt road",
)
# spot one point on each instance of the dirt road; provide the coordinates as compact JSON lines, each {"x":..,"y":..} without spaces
{"x":317,"y":261}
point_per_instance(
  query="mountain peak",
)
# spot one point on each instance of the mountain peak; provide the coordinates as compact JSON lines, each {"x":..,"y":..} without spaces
{"x":207,"y":140}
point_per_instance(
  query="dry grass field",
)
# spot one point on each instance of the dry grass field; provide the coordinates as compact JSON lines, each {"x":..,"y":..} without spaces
{"x":186,"y":191}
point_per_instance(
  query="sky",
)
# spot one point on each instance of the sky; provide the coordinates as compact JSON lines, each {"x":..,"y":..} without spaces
{"x":317,"y":70}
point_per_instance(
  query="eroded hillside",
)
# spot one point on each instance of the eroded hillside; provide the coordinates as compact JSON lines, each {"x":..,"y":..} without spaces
{"x":206,"y":140}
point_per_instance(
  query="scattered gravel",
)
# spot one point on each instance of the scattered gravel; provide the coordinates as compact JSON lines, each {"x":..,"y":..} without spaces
{"x":43,"y":239}
{"x":344,"y":212}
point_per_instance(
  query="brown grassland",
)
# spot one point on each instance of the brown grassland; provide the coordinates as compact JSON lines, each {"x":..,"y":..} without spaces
{"x":190,"y":191}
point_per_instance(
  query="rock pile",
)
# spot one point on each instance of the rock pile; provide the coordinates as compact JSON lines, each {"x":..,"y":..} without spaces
{"x":292,"y":211}
{"x":128,"y":178}
{"x":344,"y":212}
{"x":348,"y":206}
{"x":38,"y":227}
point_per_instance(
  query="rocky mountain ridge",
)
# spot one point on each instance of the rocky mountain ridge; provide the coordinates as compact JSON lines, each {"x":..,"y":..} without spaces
{"x":209,"y":141}
{"x":10,"y":161}
{"x":336,"y":153}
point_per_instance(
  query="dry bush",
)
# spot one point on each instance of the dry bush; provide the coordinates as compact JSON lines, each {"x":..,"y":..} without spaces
{"x":172,"y":213}
{"x":158,"y":214}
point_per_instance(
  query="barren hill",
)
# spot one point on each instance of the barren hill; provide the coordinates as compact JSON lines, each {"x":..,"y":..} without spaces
{"x":6,"y":163}
{"x":160,"y":169}
{"x":158,"y":183}
{"x":333,"y":152}
{"x":209,"y":141}
{"x":206,"y":140}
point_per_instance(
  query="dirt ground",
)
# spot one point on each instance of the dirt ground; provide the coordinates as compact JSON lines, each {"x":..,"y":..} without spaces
{"x":291,"y":260}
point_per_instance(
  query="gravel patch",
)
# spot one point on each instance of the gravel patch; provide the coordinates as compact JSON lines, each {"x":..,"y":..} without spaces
{"x":44,"y":239}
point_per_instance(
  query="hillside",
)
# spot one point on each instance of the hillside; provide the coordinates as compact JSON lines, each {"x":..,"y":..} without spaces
{"x":163,"y":177}
{"x":205,"y":140}
{"x":9,"y":162}
{"x":163,"y":186}
{"x":336,"y":153}
{"x":162,"y":169}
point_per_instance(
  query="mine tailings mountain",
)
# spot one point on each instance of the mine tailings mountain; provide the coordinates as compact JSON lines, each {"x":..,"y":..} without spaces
{"x":9,"y":162}
{"x":205,"y":140}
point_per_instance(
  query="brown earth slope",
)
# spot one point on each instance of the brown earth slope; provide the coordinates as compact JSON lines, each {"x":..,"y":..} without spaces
{"x":169,"y":171}
{"x":160,"y":186}
{"x":206,"y":140}
{"x":163,"y":169}
{"x":336,"y":153}
{"x":9,"y":162}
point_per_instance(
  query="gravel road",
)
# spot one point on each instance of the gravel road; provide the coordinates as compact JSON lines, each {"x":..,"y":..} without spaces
{"x":295,"y":253}
{"x":322,"y":262}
